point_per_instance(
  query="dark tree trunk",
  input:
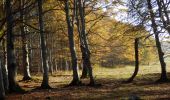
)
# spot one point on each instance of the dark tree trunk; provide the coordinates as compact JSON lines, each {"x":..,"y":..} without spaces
{"x":84,"y":39}
{"x":70,"y":26}
{"x":4,"y":67}
{"x":163,"y":77}
{"x":45,"y":82}
{"x":50,"y":62}
{"x":161,"y":59}
{"x":11,"y":60}
{"x":84,"y":70}
{"x":2,"y":90}
{"x":136,"y":61}
{"x":25,"y":56}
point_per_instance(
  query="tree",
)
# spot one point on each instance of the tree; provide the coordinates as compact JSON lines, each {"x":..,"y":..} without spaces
{"x":25,"y":57}
{"x":70,"y":25}
{"x":144,"y":11}
{"x":136,"y":60}
{"x":84,"y":44}
{"x":83,"y":53}
{"x":11,"y":60}
{"x":45,"y":82}
{"x":4,"y":66}
{"x":154,"y":26}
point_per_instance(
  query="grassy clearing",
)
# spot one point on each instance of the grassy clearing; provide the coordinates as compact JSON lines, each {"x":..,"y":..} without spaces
{"x":143,"y":86}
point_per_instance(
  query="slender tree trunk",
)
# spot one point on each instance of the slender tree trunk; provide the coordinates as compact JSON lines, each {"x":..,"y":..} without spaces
{"x":45,"y":82}
{"x":161,"y":59}
{"x":163,"y":77}
{"x":4,"y":67}
{"x":25,"y":56}
{"x":30,"y":51}
{"x":84,"y":39}
{"x":85,"y":69}
{"x":70,"y":26}
{"x":11,"y":60}
{"x":50,"y":62}
{"x":136,"y":61}
{"x":2,"y":90}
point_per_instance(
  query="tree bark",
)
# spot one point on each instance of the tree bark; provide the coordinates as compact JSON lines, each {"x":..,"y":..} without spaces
{"x":11,"y":60}
{"x":83,"y":53}
{"x":25,"y":56}
{"x":84,"y":39}
{"x":4,"y":67}
{"x":2,"y":90}
{"x":45,"y":82}
{"x":136,"y":61}
{"x":85,"y":69}
{"x":163,"y":77}
{"x":70,"y":26}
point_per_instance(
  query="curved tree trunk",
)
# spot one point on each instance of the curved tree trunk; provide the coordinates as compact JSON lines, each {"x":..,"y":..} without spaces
{"x":70,"y":26}
{"x":136,"y":61}
{"x":163,"y":77}
{"x":45,"y":82}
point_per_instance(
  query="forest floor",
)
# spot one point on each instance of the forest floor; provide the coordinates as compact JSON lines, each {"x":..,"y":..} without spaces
{"x":112,"y":87}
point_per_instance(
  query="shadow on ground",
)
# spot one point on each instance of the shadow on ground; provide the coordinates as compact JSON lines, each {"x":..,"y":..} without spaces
{"x":143,"y":87}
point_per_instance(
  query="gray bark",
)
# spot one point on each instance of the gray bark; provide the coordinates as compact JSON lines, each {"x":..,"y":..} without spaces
{"x":85,"y":45}
{"x":4,"y":67}
{"x":84,"y":70}
{"x":158,"y":44}
{"x":25,"y":56}
{"x":70,"y":26}
{"x":45,"y":82}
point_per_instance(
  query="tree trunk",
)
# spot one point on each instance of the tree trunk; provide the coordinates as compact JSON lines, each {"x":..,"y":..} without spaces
{"x":84,"y":39}
{"x":163,"y":77}
{"x":70,"y":26}
{"x":2,"y":90}
{"x":30,"y":51}
{"x":85,"y":69}
{"x":50,"y":62}
{"x":11,"y":60}
{"x":25,"y":56}
{"x":45,"y":82}
{"x":136,"y":61}
{"x":161,"y":59}
{"x":4,"y":67}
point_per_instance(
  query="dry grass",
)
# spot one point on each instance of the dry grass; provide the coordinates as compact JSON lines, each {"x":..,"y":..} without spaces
{"x":143,"y":86}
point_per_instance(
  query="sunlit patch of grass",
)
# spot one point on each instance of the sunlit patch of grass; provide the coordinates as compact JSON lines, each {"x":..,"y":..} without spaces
{"x":143,"y":86}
